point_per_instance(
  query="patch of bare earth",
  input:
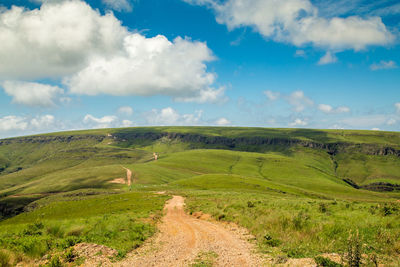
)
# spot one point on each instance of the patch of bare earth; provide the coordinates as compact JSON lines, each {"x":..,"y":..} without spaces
{"x":118,"y":181}
{"x":182,"y":238}
{"x":128,"y":176}
{"x":95,"y":255}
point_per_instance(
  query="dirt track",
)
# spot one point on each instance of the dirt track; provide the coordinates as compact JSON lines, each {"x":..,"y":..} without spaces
{"x":128,"y":176}
{"x":182,"y":238}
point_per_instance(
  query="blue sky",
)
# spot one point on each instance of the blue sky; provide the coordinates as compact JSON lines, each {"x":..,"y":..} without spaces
{"x":114,"y":63}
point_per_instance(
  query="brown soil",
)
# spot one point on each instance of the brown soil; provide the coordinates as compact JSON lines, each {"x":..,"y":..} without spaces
{"x":182,"y":238}
{"x":95,"y":255}
{"x":118,"y":181}
{"x":128,"y":176}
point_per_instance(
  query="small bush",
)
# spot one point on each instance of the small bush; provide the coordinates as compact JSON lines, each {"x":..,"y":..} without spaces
{"x":70,"y":241}
{"x":354,"y":251}
{"x":69,"y":255}
{"x":250,"y":204}
{"x":272,"y":242}
{"x":4,"y":259}
{"x":55,"y":262}
{"x":34,"y":229}
{"x":323,"y":208}
{"x":325,"y":262}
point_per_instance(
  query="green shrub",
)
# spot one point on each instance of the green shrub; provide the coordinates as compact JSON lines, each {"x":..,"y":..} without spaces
{"x":34,"y":229}
{"x":323,"y":208}
{"x":55,"y":262}
{"x":272,"y":242}
{"x":325,"y":262}
{"x":34,"y":246}
{"x":354,"y":250}
{"x":69,"y":255}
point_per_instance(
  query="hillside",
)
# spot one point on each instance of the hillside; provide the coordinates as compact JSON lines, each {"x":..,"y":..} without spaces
{"x":235,"y":174}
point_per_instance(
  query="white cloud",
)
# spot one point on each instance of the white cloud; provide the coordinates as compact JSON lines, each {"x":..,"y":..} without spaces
{"x":298,"y":122}
{"x":397,"y":106}
{"x":383,"y":65}
{"x":299,"y":101}
{"x":300,"y":53}
{"x":325,"y":108}
{"x":328,"y":58}
{"x":43,"y":122}
{"x":342,"y":109}
{"x":118,"y":5}
{"x":55,"y":40}
{"x":272,"y":95}
{"x":297,"y":22}
{"x":14,"y":125}
{"x":222,"y":122}
{"x":151,"y":66}
{"x":169,"y":116}
{"x":375,"y":129}
{"x":94,"y":54}
{"x":125,"y":110}
{"x":328,"y":109}
{"x":32,"y":94}
{"x":103,"y":122}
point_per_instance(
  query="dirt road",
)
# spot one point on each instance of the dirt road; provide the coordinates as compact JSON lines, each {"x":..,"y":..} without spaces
{"x":128,"y":176}
{"x":183,"y":239}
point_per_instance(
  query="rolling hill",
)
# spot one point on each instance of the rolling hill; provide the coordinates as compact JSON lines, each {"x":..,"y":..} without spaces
{"x":340,"y":180}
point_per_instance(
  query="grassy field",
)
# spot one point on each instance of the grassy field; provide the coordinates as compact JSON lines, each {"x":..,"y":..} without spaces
{"x":299,"y":192}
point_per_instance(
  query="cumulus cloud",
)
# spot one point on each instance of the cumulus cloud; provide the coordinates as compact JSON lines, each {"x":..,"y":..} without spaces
{"x":55,"y":40}
{"x":328,"y":58}
{"x":32,"y":94}
{"x":328,"y":109}
{"x":383,"y":65}
{"x":13,"y":125}
{"x":223,"y":122}
{"x":375,"y":129}
{"x":118,"y":5}
{"x":94,"y":54}
{"x":125,"y":110}
{"x":103,"y":122}
{"x":297,"y":22}
{"x":169,"y":116}
{"x":299,"y":101}
{"x":272,"y":95}
{"x":298,"y":122}
{"x":43,"y":122}
{"x":151,"y":66}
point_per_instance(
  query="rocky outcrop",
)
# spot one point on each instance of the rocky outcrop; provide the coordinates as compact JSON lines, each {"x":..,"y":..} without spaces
{"x":50,"y":138}
{"x":255,"y":143}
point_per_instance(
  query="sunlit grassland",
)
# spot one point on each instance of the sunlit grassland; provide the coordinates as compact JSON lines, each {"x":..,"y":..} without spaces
{"x":96,"y":216}
{"x":292,"y":198}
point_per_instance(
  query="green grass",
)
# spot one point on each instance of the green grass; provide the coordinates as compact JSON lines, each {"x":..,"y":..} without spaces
{"x":301,"y":227}
{"x":115,"y":220}
{"x":285,"y":185}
